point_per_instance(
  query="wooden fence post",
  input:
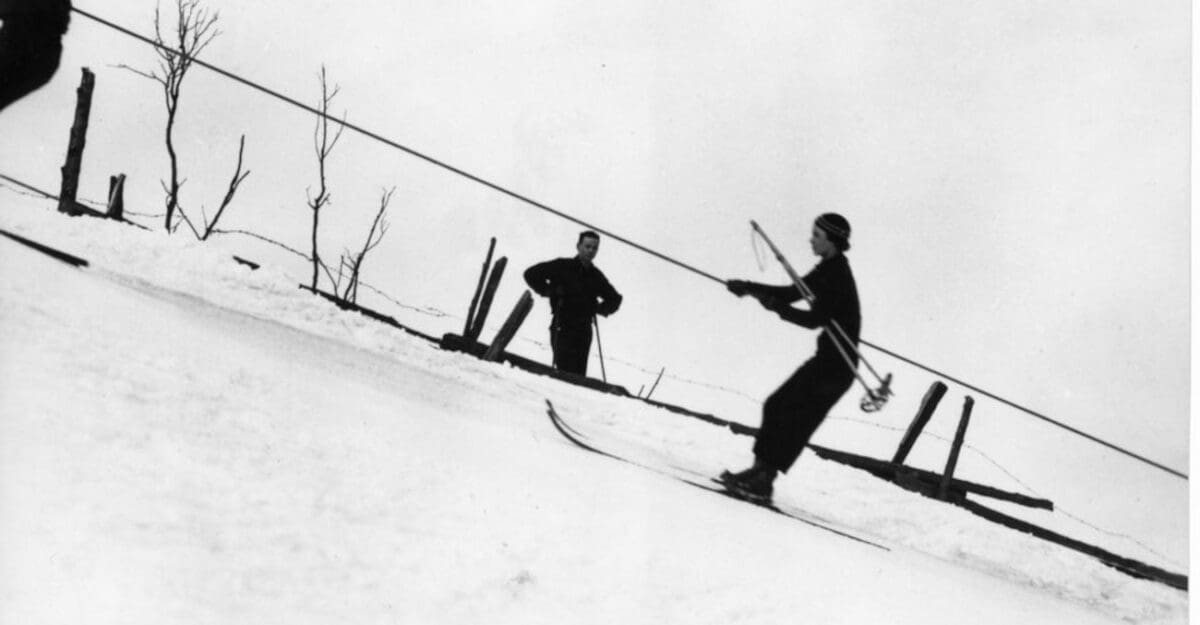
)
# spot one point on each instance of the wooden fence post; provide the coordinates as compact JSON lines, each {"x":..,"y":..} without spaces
{"x":959,"y":436}
{"x":487,"y":264}
{"x":928,"y":405}
{"x":510,"y":327}
{"x":116,"y":197}
{"x":74,"y":161}
{"x":485,"y":303}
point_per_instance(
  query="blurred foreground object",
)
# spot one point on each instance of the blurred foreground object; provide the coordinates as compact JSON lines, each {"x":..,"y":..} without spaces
{"x":30,"y":45}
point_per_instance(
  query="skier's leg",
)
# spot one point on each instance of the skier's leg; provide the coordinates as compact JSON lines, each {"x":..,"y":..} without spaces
{"x":571,"y":348}
{"x":792,"y":414}
{"x":779,"y":415}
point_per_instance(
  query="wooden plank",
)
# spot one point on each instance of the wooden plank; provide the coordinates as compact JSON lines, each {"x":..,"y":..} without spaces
{"x":49,"y":251}
{"x":1121,"y":563}
{"x":959,"y":436}
{"x":367,"y":312}
{"x":487,"y":264}
{"x":485,"y":302}
{"x":249,"y":263}
{"x":510,"y":327}
{"x":453,"y":342}
{"x":888,"y":471}
{"x":930,"y":402}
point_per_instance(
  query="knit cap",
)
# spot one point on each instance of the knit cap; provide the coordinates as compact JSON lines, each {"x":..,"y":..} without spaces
{"x":837,"y":228}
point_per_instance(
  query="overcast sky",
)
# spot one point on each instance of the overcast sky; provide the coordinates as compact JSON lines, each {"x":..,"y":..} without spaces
{"x":1016,"y":175}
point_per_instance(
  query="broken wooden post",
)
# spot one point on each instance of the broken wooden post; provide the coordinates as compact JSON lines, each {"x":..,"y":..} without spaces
{"x":485,"y":302}
{"x":71,"y":167}
{"x":487,"y":264}
{"x":952,"y":461}
{"x":116,"y":197}
{"x":928,"y":405}
{"x":510,"y":327}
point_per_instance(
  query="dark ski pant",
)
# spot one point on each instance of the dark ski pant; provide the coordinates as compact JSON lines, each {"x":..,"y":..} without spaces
{"x":794,"y":411}
{"x":571,"y":344}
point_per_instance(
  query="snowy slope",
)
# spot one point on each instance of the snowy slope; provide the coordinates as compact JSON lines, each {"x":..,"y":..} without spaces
{"x":183,"y":440}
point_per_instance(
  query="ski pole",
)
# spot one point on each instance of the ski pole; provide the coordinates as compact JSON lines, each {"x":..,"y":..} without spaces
{"x":836,"y":332}
{"x":600,"y":347}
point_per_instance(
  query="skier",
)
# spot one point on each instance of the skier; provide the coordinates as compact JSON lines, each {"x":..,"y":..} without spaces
{"x":30,"y":45}
{"x":793,"y":412}
{"x":578,"y":291}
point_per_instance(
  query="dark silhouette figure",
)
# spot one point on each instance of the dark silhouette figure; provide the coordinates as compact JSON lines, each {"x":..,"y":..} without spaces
{"x":30,"y":45}
{"x":578,"y":291}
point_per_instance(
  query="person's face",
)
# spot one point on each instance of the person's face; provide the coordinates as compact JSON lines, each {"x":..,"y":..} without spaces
{"x":587,"y":248}
{"x":821,"y":245}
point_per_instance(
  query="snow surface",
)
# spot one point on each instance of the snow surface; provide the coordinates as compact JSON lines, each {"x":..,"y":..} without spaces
{"x":185,"y":440}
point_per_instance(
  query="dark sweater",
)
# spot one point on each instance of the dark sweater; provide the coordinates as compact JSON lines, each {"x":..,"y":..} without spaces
{"x":835,"y":299}
{"x":577,"y":291}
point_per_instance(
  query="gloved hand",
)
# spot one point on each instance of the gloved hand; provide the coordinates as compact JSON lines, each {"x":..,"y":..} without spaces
{"x":772,"y":303}
{"x":738,"y":287}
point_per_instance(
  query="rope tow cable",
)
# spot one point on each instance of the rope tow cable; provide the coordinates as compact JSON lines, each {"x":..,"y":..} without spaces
{"x":376,"y":136}
{"x":539,"y":205}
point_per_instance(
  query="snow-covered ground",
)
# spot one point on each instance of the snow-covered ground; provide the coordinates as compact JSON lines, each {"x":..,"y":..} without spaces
{"x":184,"y":440}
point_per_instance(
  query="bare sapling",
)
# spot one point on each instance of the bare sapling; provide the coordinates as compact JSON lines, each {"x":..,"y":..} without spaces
{"x":323,"y":144}
{"x":193,"y":29}
{"x":354,"y":262}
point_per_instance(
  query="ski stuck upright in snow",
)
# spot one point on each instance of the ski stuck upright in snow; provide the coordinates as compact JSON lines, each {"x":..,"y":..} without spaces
{"x":708,"y":483}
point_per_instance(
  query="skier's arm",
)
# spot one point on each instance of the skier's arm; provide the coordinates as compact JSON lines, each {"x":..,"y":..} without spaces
{"x":610,"y":300}
{"x":784,"y":294}
{"x":807,"y":318}
{"x":539,"y":278}
{"x":821,"y":307}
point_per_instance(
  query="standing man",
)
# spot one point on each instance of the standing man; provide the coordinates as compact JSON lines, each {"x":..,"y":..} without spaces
{"x":30,"y":44}
{"x":793,"y":412}
{"x":578,"y":291}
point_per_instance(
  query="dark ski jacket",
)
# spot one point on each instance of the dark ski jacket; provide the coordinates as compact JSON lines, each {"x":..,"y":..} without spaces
{"x":577,"y":291}
{"x":835,"y":299}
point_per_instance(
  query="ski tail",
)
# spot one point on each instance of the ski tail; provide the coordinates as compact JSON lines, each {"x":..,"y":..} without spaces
{"x":571,"y":434}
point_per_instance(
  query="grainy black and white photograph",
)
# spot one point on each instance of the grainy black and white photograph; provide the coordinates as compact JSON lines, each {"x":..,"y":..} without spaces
{"x":575,"y":312}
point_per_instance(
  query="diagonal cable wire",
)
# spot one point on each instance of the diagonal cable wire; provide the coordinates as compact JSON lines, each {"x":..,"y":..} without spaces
{"x":522,"y":198}
{"x":376,"y":136}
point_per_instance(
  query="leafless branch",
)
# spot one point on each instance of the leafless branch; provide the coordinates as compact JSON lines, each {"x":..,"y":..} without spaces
{"x":238,"y":177}
{"x":184,"y":218}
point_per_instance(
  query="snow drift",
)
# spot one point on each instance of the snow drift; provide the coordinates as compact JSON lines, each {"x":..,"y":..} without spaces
{"x":185,"y":440}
